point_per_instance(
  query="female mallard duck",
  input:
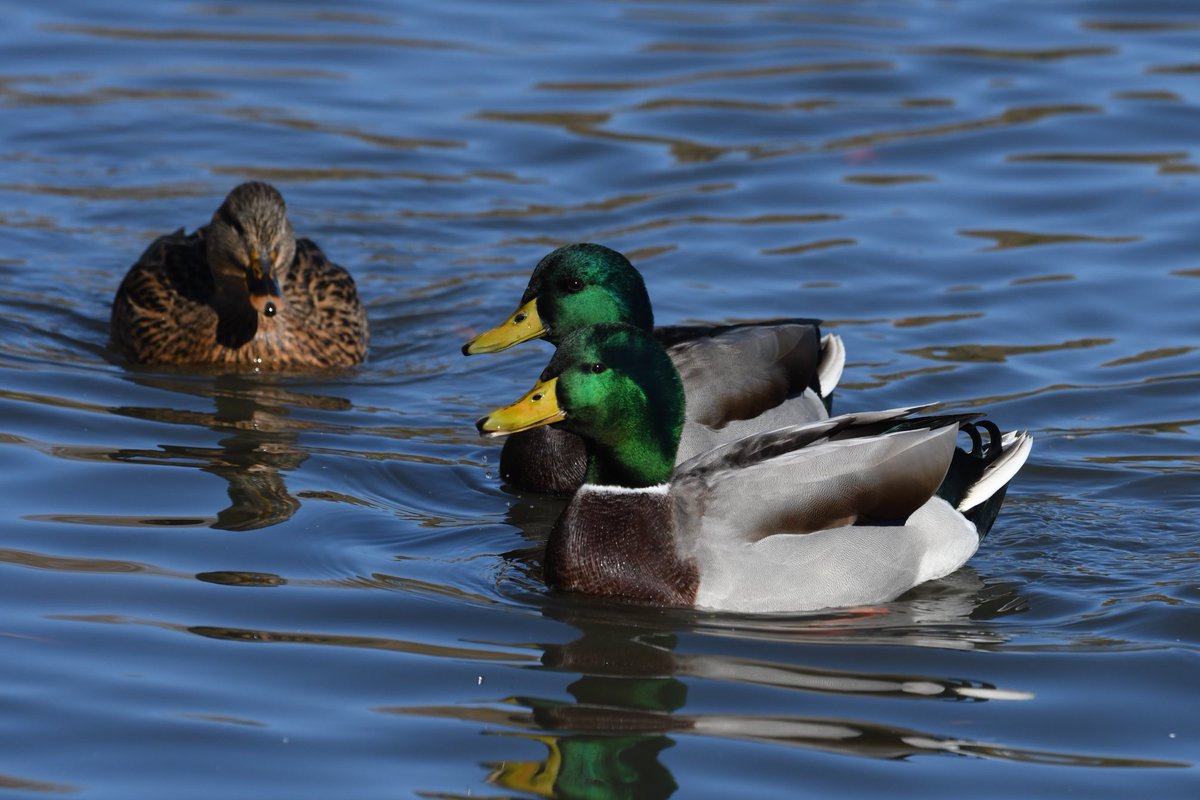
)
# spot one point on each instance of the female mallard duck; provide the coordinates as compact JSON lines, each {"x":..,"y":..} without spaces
{"x":242,"y":291}
{"x":738,"y":379}
{"x":850,"y":510}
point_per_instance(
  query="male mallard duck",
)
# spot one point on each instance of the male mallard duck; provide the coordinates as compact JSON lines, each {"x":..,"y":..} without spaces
{"x":241,"y":291}
{"x":738,"y":379}
{"x":850,"y":510}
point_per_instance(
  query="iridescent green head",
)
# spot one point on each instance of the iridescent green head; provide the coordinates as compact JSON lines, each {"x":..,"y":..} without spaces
{"x":572,"y":288}
{"x":617,"y":388}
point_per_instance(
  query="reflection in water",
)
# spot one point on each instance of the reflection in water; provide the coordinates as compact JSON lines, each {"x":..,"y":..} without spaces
{"x":1047,"y":54}
{"x":1101,"y":158}
{"x":268,"y":117}
{"x":1022,"y":115}
{"x":1149,"y":355}
{"x":259,"y":636}
{"x":1007,"y":240}
{"x":257,"y":447}
{"x":612,"y":766}
{"x":999,"y":353}
{"x":241,"y":578}
{"x":628,"y":701}
{"x":26,"y":785}
{"x":58,"y":563}
{"x":805,"y":247}
{"x":225,"y":36}
{"x":749,"y":73}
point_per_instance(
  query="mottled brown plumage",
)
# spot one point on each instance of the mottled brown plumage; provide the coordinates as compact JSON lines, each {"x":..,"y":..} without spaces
{"x":240,"y":292}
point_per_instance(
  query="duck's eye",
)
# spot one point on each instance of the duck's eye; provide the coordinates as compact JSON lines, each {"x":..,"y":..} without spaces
{"x":597,"y":368}
{"x":574,"y":285}
{"x":269,"y":309}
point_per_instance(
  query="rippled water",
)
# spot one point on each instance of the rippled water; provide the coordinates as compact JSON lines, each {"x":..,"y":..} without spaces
{"x":316,"y":587}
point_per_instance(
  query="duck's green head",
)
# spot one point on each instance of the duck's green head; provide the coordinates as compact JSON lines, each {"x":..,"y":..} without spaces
{"x":616,"y":387}
{"x":572,"y":288}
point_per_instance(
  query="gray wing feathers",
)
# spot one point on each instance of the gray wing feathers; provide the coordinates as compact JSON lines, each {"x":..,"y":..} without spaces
{"x":824,"y":484}
{"x":741,"y":373}
{"x":767,"y":442}
{"x":698,"y":439}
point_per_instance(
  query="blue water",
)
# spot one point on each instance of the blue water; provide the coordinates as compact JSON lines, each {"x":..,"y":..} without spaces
{"x":317,"y":587}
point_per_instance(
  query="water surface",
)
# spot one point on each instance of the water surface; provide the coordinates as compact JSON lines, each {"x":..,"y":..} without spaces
{"x":317,"y":587}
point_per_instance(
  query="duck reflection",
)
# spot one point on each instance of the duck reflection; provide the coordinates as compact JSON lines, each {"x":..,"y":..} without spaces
{"x":627,"y":708}
{"x":257,"y":445}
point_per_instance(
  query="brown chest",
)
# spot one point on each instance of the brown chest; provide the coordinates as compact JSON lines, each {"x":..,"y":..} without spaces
{"x":620,"y":545}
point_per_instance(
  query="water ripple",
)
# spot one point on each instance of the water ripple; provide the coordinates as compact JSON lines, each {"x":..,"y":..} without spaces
{"x":247,"y":37}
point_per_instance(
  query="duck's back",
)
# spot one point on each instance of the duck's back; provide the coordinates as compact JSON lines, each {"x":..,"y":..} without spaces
{"x":163,"y":305}
{"x":746,"y":379}
{"x":327,"y":324}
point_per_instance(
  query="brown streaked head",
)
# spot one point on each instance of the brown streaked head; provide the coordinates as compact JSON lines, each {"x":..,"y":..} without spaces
{"x":250,"y":244}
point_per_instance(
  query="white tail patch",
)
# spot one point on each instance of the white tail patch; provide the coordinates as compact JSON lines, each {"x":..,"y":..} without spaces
{"x":1016,"y":446}
{"x":833,"y":361}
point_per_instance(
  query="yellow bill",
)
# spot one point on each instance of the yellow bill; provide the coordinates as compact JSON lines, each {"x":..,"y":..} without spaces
{"x":539,"y":407}
{"x":532,"y":777}
{"x":523,"y":325}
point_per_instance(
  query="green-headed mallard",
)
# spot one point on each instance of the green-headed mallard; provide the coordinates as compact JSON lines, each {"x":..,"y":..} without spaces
{"x":242,"y":291}
{"x":738,"y":379}
{"x":850,"y":510}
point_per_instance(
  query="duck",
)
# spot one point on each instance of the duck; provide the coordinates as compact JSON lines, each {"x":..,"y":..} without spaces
{"x":847,"y":511}
{"x":738,"y":378}
{"x":241,"y":292}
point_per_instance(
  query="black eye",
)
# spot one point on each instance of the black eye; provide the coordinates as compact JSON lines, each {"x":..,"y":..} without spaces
{"x":269,"y":309}
{"x":574,"y":285}
{"x":597,"y":368}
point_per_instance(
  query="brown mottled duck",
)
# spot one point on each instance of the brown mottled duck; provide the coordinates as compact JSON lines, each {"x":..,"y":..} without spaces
{"x":241,"y":292}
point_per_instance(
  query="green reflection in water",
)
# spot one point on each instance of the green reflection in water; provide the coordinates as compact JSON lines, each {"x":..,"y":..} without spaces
{"x":628,"y":707}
